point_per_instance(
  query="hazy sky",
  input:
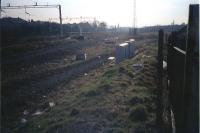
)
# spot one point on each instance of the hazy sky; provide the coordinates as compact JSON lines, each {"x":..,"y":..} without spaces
{"x":148,"y":12}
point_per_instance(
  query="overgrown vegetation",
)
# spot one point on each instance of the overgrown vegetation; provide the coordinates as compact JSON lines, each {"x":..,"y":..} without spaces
{"x":110,"y":99}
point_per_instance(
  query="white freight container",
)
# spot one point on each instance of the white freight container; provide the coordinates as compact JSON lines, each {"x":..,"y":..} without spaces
{"x":125,"y":50}
{"x":122,"y":52}
{"x":131,"y":44}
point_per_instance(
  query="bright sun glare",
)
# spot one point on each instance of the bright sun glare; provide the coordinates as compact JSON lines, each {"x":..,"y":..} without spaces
{"x":154,"y":12}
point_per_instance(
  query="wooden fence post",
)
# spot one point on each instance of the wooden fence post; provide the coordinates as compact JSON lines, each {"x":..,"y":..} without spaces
{"x":191,"y":90}
{"x":160,"y":78}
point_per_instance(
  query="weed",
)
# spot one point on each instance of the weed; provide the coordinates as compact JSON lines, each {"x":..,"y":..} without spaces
{"x":135,"y":100}
{"x":139,"y":113}
{"x":74,"y":112}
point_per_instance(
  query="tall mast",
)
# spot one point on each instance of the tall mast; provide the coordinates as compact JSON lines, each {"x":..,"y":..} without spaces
{"x":134,"y":16}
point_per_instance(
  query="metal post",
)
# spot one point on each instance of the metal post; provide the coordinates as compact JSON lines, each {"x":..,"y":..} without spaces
{"x":0,"y":8}
{"x":134,"y":18}
{"x":60,"y":17}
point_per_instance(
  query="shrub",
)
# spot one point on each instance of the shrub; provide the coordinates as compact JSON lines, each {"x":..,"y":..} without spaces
{"x":91,"y":93}
{"x":138,"y":114}
{"x":110,"y":73}
{"x":74,"y":112}
{"x":121,"y":69}
{"x":135,"y":100}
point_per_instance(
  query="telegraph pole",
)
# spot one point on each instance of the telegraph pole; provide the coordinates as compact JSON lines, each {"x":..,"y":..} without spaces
{"x":0,"y":9}
{"x":134,"y":17}
{"x":60,"y":17}
{"x":37,"y":6}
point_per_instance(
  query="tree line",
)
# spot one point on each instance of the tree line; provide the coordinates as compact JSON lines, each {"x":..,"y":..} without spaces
{"x":13,"y":28}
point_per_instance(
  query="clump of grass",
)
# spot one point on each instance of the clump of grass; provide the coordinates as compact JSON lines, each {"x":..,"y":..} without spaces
{"x":105,"y":80}
{"x":121,"y":69}
{"x":124,"y":84}
{"x":135,"y":100}
{"x":130,"y":74}
{"x":89,"y":90}
{"x":140,"y":129}
{"x":112,"y":115}
{"x":74,"y":112}
{"x":92,"y":93}
{"x":110,"y":73}
{"x":105,"y":87}
{"x":139,"y":113}
{"x":128,"y":71}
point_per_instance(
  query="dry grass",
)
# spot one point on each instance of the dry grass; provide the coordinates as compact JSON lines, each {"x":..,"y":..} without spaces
{"x":108,"y":99}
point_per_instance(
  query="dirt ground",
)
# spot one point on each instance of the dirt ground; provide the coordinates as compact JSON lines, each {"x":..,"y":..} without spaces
{"x":77,"y":96}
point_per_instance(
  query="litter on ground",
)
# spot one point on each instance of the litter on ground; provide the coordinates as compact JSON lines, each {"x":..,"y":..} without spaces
{"x":38,"y":112}
{"x":52,"y":104}
{"x":25,"y":112}
{"x":23,"y":120}
{"x":137,"y":66}
{"x":111,"y":58}
{"x":164,"y":65}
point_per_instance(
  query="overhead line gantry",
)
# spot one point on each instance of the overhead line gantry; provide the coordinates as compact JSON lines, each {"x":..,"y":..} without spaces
{"x":37,"y":6}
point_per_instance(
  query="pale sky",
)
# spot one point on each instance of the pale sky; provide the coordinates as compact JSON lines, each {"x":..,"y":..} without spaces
{"x":113,"y":12}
